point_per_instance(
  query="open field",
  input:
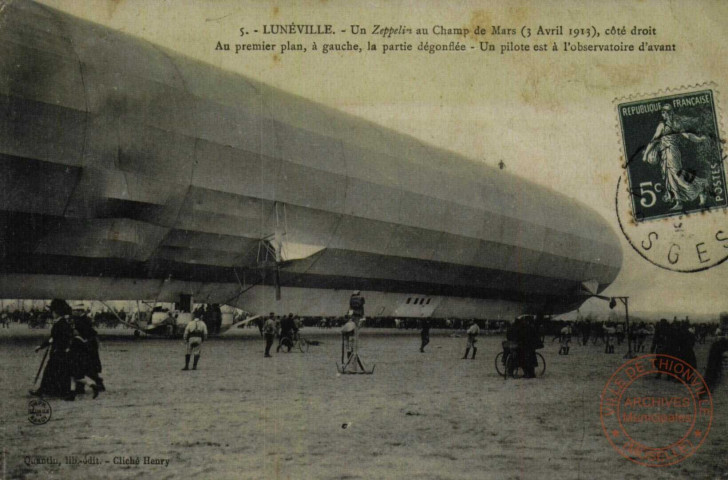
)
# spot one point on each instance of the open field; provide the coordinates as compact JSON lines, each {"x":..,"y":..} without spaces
{"x":240,"y":415}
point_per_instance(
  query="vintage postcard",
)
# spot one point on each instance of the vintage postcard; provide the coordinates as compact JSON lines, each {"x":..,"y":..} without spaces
{"x":377,"y":240}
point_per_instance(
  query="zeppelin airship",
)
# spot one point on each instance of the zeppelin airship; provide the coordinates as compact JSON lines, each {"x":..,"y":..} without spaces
{"x":130,"y":171}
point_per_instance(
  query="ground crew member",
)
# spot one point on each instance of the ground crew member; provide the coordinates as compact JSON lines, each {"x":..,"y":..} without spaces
{"x":348,"y":336}
{"x":269,"y":332}
{"x":288,"y":327}
{"x":714,"y":368}
{"x":195,"y":334}
{"x":170,"y":322}
{"x":473,"y":333}
{"x":425,"y":335}
{"x":356,"y":305}
{"x":565,"y":340}
{"x":85,"y":360}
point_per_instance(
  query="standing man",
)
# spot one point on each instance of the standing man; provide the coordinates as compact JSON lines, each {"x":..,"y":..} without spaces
{"x":195,"y":334}
{"x":425,"y":334}
{"x":565,"y":339}
{"x":171,"y":324}
{"x":285,"y":339}
{"x":473,"y":333}
{"x":348,"y":337}
{"x":356,"y":305}
{"x":269,"y":332}
{"x":85,"y":360}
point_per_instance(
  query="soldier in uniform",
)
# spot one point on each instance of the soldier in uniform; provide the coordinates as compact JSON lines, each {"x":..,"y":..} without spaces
{"x":269,"y":332}
{"x":473,"y":333}
{"x":195,"y":334}
{"x":56,"y":379}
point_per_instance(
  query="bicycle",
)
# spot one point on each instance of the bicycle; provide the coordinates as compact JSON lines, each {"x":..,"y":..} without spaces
{"x":297,"y":342}
{"x":509,"y":365}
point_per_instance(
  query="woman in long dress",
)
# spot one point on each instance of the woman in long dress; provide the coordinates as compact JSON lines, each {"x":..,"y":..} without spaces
{"x":56,"y":380}
{"x":680,"y":184}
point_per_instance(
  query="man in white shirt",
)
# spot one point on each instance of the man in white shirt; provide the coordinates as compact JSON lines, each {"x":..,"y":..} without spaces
{"x":348,"y":336}
{"x":195,"y":334}
{"x":473,"y":333}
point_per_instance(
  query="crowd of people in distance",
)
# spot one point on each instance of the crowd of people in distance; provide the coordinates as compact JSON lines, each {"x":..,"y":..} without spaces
{"x":610,"y":333}
{"x":676,"y":339}
{"x":490,"y":327}
{"x":285,"y":328}
{"x":74,"y":364}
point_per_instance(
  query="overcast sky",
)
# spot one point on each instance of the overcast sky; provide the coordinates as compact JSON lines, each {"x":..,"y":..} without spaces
{"x":549,"y":117}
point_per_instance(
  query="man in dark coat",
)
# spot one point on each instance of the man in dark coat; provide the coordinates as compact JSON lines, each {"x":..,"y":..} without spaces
{"x":56,"y":379}
{"x":526,"y":335}
{"x":425,"y":334}
{"x":85,"y":361}
{"x":714,"y":367}
{"x":288,"y":327}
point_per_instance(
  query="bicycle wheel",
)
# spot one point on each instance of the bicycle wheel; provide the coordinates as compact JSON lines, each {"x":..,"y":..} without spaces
{"x":303,"y":345}
{"x":500,"y":364}
{"x":285,"y":344}
{"x":512,"y":368}
{"x":540,"y":365}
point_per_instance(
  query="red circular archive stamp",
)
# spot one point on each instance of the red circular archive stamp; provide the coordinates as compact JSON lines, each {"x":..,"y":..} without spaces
{"x":656,"y":410}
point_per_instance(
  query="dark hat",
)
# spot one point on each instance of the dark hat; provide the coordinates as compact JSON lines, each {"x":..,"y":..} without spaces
{"x":60,"y":307}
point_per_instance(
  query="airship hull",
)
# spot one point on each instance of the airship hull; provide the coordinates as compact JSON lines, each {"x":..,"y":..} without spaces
{"x":130,"y":171}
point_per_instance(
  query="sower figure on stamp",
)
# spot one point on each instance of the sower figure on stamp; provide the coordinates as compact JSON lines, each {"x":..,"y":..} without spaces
{"x":56,"y":379}
{"x":681,"y":185}
{"x":195,"y":334}
{"x":473,"y":333}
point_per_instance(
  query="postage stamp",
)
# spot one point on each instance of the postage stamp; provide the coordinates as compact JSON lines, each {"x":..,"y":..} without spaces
{"x":673,"y":155}
{"x":671,"y":198}
{"x":656,"y":410}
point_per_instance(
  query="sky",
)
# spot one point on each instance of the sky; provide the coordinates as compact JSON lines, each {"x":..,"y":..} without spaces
{"x":549,"y":117}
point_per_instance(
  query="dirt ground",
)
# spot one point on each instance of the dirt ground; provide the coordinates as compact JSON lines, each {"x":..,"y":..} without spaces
{"x":420,"y":415}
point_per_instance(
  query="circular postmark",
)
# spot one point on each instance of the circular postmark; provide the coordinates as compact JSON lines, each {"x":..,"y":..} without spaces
{"x":39,"y":411}
{"x":685,"y":243}
{"x":656,"y":410}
